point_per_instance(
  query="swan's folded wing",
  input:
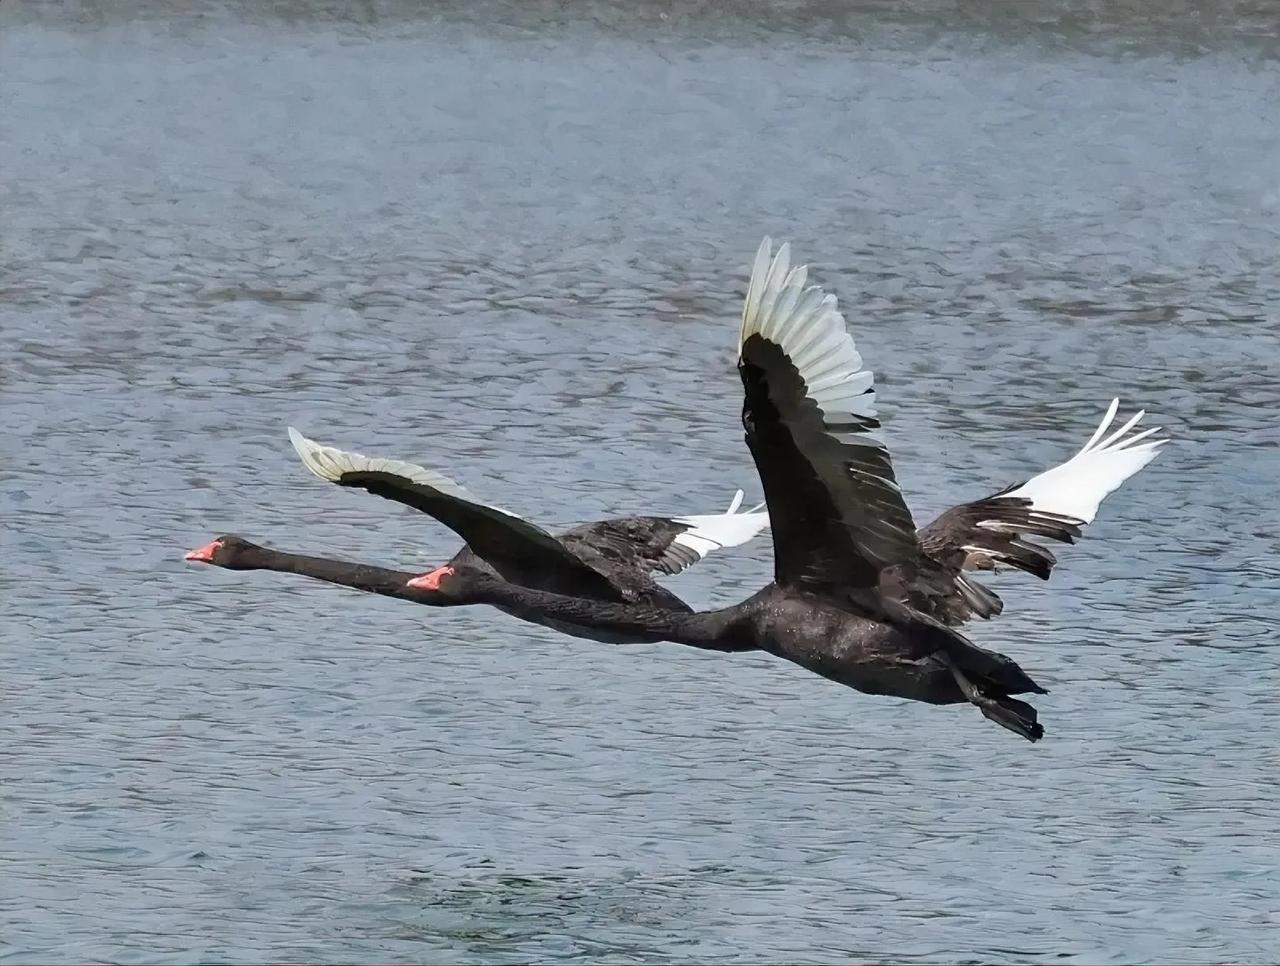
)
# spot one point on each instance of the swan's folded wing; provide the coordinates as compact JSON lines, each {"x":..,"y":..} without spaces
{"x":1055,"y":505}
{"x":668,"y":545}
{"x":837,"y":515}
{"x":518,"y":550}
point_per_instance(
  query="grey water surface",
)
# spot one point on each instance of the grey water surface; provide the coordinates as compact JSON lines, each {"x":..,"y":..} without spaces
{"x":510,"y":242}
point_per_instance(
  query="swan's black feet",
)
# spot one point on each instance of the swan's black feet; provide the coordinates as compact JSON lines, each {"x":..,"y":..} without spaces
{"x":1018,"y":716}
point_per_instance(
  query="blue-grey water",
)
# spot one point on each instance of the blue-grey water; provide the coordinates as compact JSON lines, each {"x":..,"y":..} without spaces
{"x":511,"y":242}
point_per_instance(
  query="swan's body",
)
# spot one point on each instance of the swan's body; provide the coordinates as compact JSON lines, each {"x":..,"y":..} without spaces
{"x":897,"y":655}
{"x":859,"y":595}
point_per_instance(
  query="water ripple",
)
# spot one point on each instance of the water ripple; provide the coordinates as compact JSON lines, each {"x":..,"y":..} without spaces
{"x":516,"y":251}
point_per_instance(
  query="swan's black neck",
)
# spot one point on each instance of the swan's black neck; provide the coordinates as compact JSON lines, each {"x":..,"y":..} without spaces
{"x":718,"y":630}
{"x":730,"y":629}
{"x":345,"y":573}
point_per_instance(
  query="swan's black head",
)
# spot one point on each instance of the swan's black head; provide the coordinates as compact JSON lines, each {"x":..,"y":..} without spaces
{"x":229,"y":551}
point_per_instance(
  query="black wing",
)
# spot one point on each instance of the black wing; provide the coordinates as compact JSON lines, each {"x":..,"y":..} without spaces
{"x":668,"y":545}
{"x":837,"y":515}
{"x":640,"y":543}
{"x":518,"y":550}
{"x":980,"y":535}
{"x":988,"y":533}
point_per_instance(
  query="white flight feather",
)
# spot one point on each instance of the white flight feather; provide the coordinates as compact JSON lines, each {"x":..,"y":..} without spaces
{"x":331,"y":464}
{"x":712,"y":531}
{"x":1077,"y":487}
{"x":806,"y":325}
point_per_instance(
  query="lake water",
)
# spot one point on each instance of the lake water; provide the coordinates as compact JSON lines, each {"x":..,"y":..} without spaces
{"x":510,"y":241}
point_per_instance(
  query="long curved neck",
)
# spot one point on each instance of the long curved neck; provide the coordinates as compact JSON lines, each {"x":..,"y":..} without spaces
{"x":345,"y":573}
{"x":717,"y":630}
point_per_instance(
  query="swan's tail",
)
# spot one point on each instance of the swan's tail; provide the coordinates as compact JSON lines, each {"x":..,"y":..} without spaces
{"x":986,"y":678}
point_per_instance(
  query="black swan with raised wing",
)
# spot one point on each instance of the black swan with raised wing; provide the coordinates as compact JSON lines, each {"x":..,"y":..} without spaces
{"x":855,"y":596}
{"x":613,"y":559}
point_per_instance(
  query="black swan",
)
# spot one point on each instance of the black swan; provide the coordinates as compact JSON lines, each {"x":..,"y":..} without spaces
{"x":611,"y":560}
{"x":855,"y":596}
{"x":232,"y":552}
{"x":607,"y":560}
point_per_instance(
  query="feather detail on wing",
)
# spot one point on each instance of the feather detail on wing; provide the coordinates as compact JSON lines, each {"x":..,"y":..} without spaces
{"x":836,"y":513}
{"x":1077,"y":487}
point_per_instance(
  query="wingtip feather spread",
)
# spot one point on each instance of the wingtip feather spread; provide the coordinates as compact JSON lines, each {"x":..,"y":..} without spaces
{"x":1077,"y":487}
{"x":714,"y":531}
{"x":806,"y":324}
{"x":332,"y":464}
{"x":319,"y":460}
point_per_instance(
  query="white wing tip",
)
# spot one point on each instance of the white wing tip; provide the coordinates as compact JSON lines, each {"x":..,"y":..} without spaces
{"x":315,"y":457}
{"x":805,"y":323}
{"x":713,"y":531}
{"x":1077,"y":487}
{"x":331,"y":464}
{"x":735,"y":502}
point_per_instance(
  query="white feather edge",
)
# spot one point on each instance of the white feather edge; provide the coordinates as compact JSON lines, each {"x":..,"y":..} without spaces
{"x":1077,"y":487}
{"x":805,"y":324}
{"x":329,"y":463}
{"x":712,"y":531}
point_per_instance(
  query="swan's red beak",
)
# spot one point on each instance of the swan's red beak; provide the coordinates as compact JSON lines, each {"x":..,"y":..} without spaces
{"x":430,"y":581}
{"x":204,"y":554}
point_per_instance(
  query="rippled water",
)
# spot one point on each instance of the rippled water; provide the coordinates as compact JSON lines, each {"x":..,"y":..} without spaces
{"x":511,"y":242}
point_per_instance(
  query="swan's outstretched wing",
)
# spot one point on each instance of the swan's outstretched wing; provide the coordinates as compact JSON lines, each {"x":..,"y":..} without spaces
{"x":837,"y":515}
{"x":668,"y":545}
{"x":1077,"y":487}
{"x":1057,"y":504}
{"x":520,"y":551}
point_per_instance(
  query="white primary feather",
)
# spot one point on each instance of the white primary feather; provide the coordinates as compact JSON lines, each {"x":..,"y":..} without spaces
{"x":712,"y":531}
{"x":330,"y":464}
{"x":805,"y":324}
{"x":1077,"y":487}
